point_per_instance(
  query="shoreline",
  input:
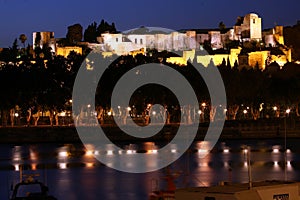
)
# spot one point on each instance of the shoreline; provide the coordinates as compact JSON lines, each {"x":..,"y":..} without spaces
{"x":262,"y":129}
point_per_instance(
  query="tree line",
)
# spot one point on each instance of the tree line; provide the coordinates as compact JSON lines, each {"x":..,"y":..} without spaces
{"x":32,"y":86}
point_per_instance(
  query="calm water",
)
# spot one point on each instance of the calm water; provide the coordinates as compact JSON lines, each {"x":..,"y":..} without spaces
{"x":73,"y":173}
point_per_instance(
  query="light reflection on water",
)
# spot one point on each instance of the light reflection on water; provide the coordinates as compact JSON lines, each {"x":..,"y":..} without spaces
{"x":72,"y":172}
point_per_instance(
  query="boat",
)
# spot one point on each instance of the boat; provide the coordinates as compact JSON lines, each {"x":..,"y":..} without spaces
{"x":31,"y":189}
{"x":262,"y":190}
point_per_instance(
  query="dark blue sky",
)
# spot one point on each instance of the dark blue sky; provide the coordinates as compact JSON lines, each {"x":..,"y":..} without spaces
{"x":26,"y":16}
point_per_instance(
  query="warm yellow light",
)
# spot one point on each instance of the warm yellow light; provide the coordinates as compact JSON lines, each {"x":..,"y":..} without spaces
{"x":245,"y":111}
{"x":288,"y":111}
{"x":89,"y":153}
{"x":203,"y":104}
{"x":275,"y":108}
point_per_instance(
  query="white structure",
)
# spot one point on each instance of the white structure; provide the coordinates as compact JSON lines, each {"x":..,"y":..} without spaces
{"x":266,"y":190}
{"x":249,"y":29}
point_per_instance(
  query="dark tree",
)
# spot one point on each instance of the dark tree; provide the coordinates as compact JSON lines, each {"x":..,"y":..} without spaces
{"x":222,"y":26}
{"x":90,"y":34}
{"x":74,"y":34}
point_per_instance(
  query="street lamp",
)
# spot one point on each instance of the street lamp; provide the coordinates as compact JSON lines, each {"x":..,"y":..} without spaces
{"x":245,"y":113}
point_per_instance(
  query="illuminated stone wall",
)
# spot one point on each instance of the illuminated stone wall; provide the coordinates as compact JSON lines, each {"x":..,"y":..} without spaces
{"x":45,"y":38}
{"x":218,"y":58}
{"x":177,"y":60}
{"x":215,"y":39}
{"x":65,"y":51}
{"x":259,"y":57}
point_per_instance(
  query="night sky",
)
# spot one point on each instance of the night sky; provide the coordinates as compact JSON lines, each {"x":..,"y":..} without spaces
{"x":26,"y":16}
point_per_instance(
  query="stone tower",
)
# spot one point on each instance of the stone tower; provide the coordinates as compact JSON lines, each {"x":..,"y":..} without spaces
{"x":249,"y":28}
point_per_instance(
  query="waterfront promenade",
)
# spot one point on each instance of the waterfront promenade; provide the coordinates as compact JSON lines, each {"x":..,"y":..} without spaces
{"x":250,"y":129}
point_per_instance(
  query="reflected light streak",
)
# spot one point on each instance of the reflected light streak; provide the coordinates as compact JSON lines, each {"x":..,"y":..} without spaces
{"x":89,"y":165}
{"x":17,"y":167}
{"x":203,"y":164}
{"x":62,"y":165}
{"x":33,"y":166}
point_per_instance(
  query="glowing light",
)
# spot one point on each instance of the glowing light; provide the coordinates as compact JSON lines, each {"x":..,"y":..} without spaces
{"x":33,"y":166}
{"x":275,"y":150}
{"x":130,"y":151}
{"x":245,"y":150}
{"x":153,"y":151}
{"x":245,"y":111}
{"x":202,"y":150}
{"x":275,"y":108}
{"x":89,"y":165}
{"x":288,"y":111}
{"x":89,"y":153}
{"x":226,"y":150}
{"x":89,"y":105}
{"x":225,"y":110}
{"x":203,"y":104}
{"x":173,"y":151}
{"x":288,"y":151}
{"x":119,"y":107}
{"x":109,"y":113}
{"x":63,"y":114}
{"x":199,"y":112}
{"x":289,"y":163}
{"x":16,"y":114}
{"x":71,"y":101}
{"x":63,"y":154}
{"x":17,"y":167}
{"x":275,"y":163}
{"x":96,"y":152}
{"x":128,"y":108}
{"x":153,"y":113}
{"x":62,"y":165}
{"x":110,"y":152}
{"x":204,"y":164}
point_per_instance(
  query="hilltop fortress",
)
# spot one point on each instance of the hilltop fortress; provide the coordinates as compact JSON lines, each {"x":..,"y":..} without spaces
{"x":246,"y":32}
